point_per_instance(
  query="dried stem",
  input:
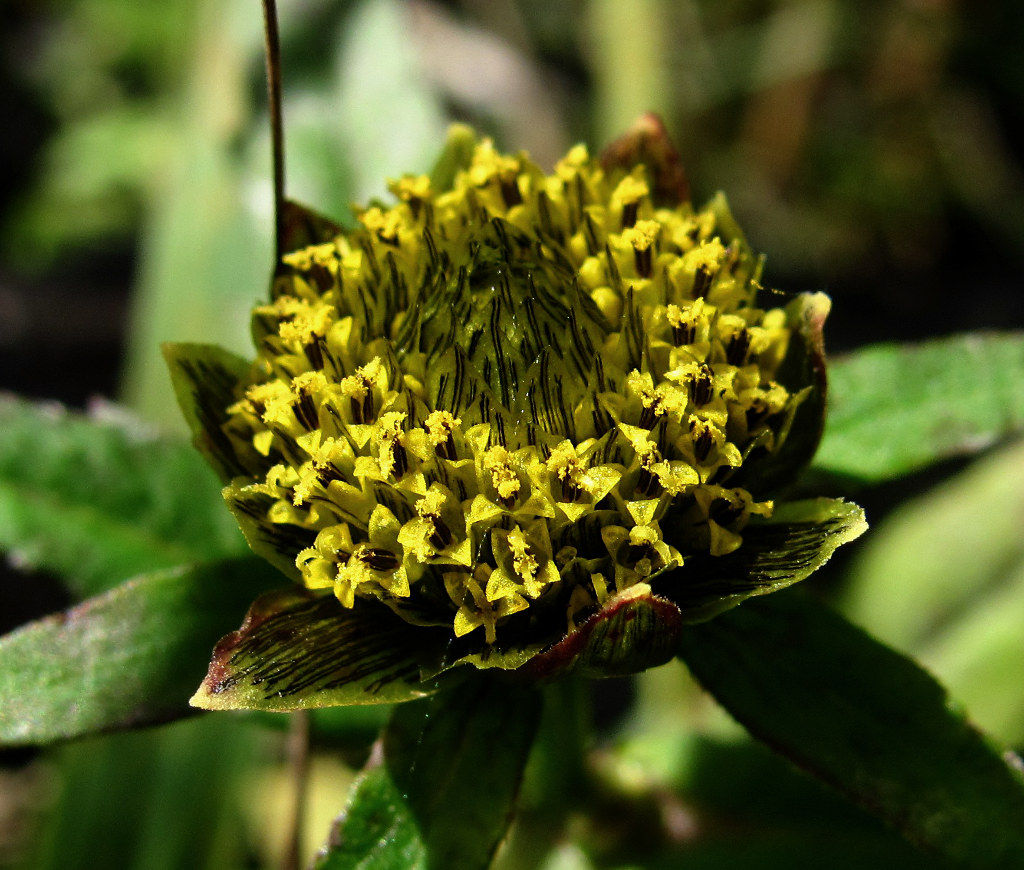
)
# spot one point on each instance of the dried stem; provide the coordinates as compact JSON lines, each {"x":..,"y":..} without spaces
{"x":273,"y":58}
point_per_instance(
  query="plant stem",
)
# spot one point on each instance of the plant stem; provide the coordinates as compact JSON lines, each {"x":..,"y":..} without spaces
{"x":273,"y":60}
{"x":298,"y":764}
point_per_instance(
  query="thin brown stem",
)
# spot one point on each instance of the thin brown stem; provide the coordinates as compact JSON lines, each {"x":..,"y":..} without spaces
{"x":298,"y":764}
{"x":273,"y":58}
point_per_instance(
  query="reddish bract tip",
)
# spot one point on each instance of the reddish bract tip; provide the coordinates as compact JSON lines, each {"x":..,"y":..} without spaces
{"x":649,"y":143}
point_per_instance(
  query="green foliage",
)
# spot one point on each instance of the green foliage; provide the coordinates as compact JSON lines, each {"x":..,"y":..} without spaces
{"x":98,"y":500}
{"x":895,"y":409}
{"x":857,"y":191}
{"x":128,"y":657}
{"x":441,"y":791}
{"x":956,"y":553}
{"x":866,"y":720}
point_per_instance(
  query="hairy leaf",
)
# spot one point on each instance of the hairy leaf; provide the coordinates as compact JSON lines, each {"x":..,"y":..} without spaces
{"x":98,"y":500}
{"x":128,"y":657}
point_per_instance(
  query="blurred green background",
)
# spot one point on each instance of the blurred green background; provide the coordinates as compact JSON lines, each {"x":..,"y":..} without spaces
{"x":872,"y":149}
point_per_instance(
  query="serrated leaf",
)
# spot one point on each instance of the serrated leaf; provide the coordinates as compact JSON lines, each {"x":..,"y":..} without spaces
{"x":797,"y":540}
{"x":298,"y":650}
{"x":895,"y":409}
{"x":866,"y":720}
{"x":96,"y":501}
{"x":441,"y":791}
{"x":125,"y":658}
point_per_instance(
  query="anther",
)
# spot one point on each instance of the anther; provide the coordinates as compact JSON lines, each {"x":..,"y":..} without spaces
{"x":321,"y":276}
{"x":305,"y":410}
{"x":401,"y":460}
{"x":570,"y":490}
{"x":647,"y":485}
{"x":378,"y":559}
{"x":629,"y":214}
{"x":315,"y":354}
{"x":510,"y":191}
{"x":647,"y":416}
{"x":703,"y":440}
{"x":701,"y":387}
{"x":441,"y":536}
{"x":724,"y":512}
{"x":642,"y":259}
{"x":701,"y":282}
{"x":683,"y":333}
{"x":739,"y":347}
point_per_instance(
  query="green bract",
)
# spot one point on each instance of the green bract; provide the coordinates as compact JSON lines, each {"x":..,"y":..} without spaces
{"x":517,"y":420}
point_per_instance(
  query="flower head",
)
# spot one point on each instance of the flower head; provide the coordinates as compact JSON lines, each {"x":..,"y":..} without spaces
{"x":508,"y":401}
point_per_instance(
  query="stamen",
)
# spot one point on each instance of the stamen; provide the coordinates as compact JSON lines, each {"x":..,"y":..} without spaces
{"x":629,"y":212}
{"x":510,"y":191}
{"x":739,"y":347}
{"x":378,"y":558}
{"x":703,"y":439}
{"x":701,"y":282}
{"x":701,"y":387}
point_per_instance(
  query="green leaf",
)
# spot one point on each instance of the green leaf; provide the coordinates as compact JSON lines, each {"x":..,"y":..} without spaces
{"x":441,"y":792}
{"x":959,"y":558}
{"x":894,"y":409}
{"x":298,"y":650}
{"x":797,"y":540}
{"x":865,"y":720}
{"x":97,"y":500}
{"x":128,"y":657}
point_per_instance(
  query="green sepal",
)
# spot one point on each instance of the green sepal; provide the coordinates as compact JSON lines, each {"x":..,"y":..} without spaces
{"x":278,"y":543}
{"x":206,"y":380}
{"x":778,"y":552}
{"x":456,"y":155}
{"x":801,"y":370}
{"x":298,"y":650}
{"x":635,"y":630}
{"x":440,"y":788}
{"x":303,"y":227}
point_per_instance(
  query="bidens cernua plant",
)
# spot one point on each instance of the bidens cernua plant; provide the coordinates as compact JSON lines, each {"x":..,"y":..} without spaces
{"x":512,"y":419}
